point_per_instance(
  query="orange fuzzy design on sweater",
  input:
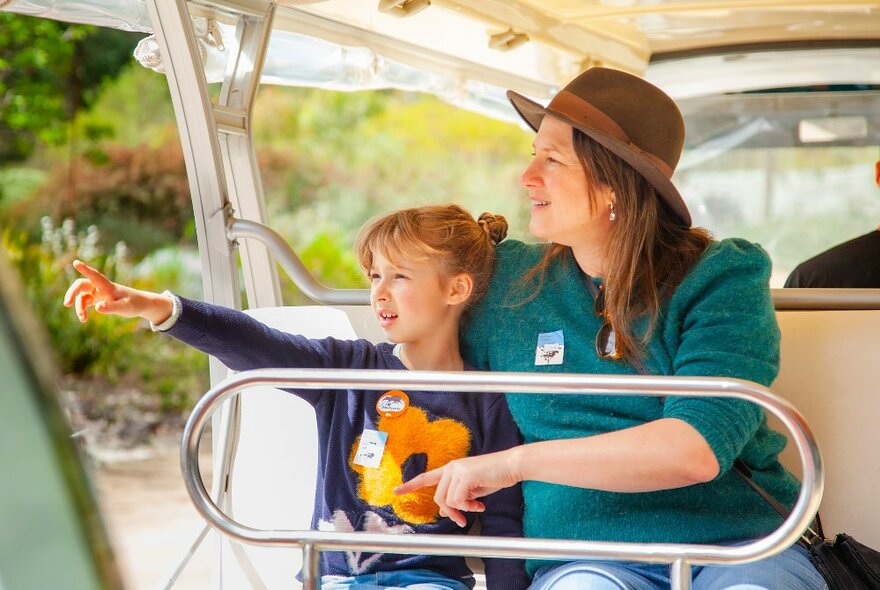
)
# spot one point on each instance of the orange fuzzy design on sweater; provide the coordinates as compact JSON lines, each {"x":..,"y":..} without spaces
{"x":411,"y":433}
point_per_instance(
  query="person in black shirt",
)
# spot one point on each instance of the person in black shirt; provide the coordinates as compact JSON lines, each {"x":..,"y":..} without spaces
{"x":852,"y":264}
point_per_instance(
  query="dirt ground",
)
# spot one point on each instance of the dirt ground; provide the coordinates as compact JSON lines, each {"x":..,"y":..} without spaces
{"x":149,"y":517}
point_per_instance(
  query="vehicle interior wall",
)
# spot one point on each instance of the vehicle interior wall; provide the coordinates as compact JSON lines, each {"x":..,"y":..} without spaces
{"x":829,"y":371}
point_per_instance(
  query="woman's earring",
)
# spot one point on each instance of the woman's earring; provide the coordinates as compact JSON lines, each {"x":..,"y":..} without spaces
{"x":613,"y":215}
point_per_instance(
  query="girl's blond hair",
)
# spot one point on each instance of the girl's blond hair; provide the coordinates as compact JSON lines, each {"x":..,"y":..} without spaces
{"x":444,"y":235}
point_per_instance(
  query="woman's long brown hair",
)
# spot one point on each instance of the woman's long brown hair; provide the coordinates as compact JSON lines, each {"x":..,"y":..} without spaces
{"x":649,"y":251}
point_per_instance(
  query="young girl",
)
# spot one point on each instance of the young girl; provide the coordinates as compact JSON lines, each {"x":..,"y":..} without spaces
{"x":426,"y":265}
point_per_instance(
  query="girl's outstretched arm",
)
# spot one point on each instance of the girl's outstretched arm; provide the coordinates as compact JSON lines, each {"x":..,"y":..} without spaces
{"x":96,"y":290}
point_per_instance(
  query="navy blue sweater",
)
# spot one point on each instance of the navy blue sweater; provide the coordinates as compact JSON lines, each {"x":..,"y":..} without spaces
{"x":435,"y":428}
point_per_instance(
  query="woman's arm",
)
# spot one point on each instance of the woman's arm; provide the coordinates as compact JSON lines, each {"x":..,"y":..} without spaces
{"x":727,"y":329}
{"x":662,"y":454}
{"x":659,"y":455}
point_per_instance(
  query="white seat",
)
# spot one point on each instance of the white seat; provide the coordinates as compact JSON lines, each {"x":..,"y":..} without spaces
{"x":273,"y":477}
{"x":831,"y":372}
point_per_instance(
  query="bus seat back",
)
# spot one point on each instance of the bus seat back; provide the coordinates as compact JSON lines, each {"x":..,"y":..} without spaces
{"x":830,"y":371}
{"x":363,"y":320}
{"x":273,"y":476}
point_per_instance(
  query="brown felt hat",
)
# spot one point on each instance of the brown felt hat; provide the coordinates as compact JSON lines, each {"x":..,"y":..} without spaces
{"x":632,"y":118}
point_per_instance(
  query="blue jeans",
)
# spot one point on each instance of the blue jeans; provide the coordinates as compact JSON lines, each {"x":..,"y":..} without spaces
{"x":411,"y":579}
{"x":790,"y":570}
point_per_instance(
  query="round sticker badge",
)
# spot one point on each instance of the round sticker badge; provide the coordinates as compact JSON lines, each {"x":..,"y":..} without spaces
{"x":392,"y":403}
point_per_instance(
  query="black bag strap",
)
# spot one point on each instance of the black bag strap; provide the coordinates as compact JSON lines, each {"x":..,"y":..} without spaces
{"x":744,"y":472}
{"x":814,"y":532}
{"x":739,"y":465}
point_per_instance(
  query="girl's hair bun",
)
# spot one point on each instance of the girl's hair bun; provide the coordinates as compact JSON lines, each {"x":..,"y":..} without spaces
{"x":494,"y":225}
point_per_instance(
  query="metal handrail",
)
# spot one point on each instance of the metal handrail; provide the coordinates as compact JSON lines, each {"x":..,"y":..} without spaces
{"x":293,"y":265}
{"x":825,"y":299}
{"x":681,"y":556}
{"x":783,"y":299}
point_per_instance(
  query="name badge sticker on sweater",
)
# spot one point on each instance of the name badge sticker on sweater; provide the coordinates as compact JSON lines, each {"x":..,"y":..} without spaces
{"x":392,"y":404}
{"x":371,"y":448}
{"x":550,"y":349}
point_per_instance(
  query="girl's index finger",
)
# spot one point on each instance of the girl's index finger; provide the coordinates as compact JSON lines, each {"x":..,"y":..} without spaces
{"x":427,"y":479}
{"x":99,"y":280}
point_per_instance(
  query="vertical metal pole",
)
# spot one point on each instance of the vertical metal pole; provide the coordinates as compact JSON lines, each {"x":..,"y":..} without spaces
{"x":311,"y":568}
{"x":204,"y":166}
{"x":236,"y":102}
{"x":201,"y":149}
{"x":680,"y":575}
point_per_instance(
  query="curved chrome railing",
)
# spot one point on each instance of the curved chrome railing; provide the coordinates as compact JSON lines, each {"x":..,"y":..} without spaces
{"x":681,"y":556}
{"x":783,"y":299}
{"x":293,"y":265}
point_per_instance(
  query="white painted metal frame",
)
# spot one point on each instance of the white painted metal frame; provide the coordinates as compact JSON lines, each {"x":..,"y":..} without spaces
{"x":223,"y":175}
{"x":236,"y":105}
{"x":201,"y":150}
{"x":680,"y":556}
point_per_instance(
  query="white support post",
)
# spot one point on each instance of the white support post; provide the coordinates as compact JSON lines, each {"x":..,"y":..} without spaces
{"x":239,"y":156}
{"x":210,"y":186}
{"x":201,"y":149}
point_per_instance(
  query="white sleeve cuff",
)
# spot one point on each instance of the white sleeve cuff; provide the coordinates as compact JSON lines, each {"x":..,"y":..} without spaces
{"x":172,"y":319}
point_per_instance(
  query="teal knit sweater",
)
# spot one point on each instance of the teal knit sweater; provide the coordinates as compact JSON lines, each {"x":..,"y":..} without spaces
{"x":719,"y":322}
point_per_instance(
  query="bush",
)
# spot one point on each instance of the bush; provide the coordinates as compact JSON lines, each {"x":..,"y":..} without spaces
{"x":139,"y":194}
{"x":170,"y":375}
{"x":17,"y":184}
{"x":44,"y":268}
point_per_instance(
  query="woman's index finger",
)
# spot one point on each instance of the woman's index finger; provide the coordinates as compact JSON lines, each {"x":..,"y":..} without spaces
{"x":427,"y":479}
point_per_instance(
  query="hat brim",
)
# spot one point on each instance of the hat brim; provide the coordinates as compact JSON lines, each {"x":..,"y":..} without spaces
{"x":533,"y":113}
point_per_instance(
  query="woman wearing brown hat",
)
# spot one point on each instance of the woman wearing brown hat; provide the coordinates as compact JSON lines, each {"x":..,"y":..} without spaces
{"x":625,"y":285}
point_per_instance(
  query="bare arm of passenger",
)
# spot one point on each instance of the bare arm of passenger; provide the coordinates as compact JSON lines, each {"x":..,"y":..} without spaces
{"x":663,"y":454}
{"x":96,"y":290}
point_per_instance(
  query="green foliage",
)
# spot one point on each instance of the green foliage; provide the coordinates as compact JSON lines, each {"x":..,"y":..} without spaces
{"x":139,"y":194}
{"x":97,"y":347}
{"x":49,"y":70}
{"x":176,"y":374}
{"x":18,"y":183}
{"x":101,"y":54}
{"x":336,"y":264}
{"x":133,"y":110}
{"x":33,"y":59}
{"x":105,"y":346}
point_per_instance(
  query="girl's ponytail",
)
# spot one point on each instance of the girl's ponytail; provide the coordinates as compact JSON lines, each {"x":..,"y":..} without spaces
{"x":495,"y":226}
